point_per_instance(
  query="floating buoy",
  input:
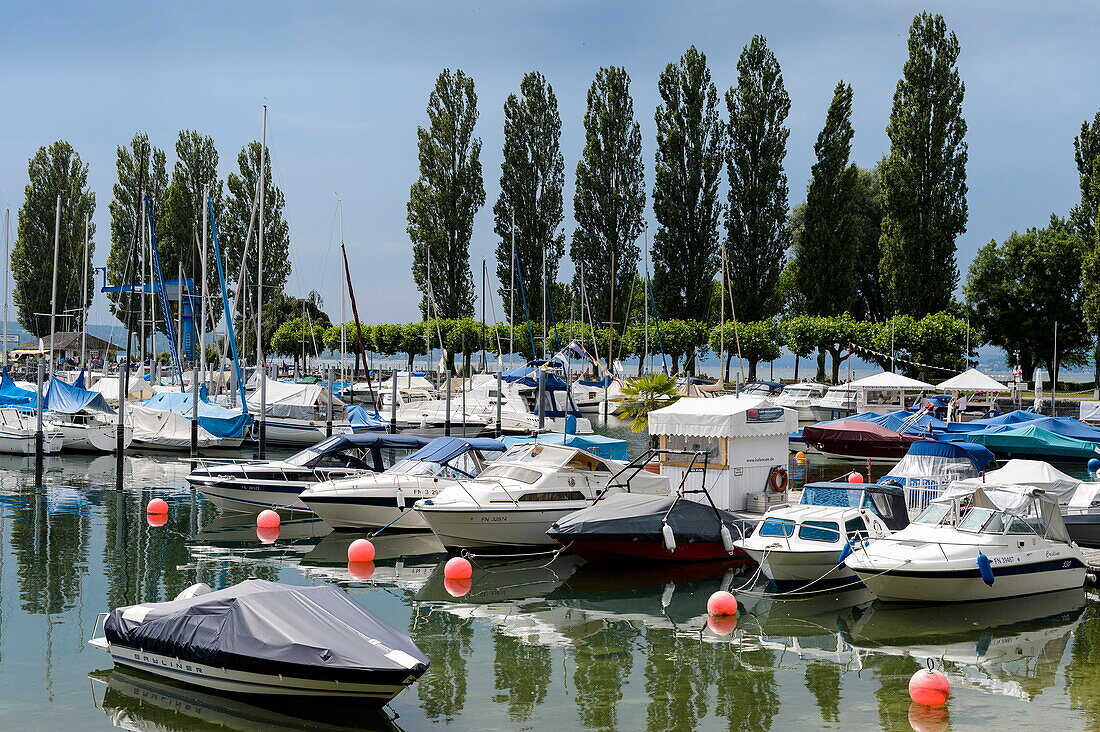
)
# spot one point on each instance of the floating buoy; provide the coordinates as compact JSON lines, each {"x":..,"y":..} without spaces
{"x":457,"y":586}
{"x":669,"y":537}
{"x":722,"y":624}
{"x":156,"y":520}
{"x":800,"y":457}
{"x":458,"y":568}
{"x":267,"y":534}
{"x":986,"y":568}
{"x":268,"y":519}
{"x":361,"y":550}
{"x":157,"y":506}
{"x":727,"y":540}
{"x":929,"y":687}
{"x":855,"y":477}
{"x":722,"y":603}
{"x":361,"y":571}
{"x":1094,"y":466}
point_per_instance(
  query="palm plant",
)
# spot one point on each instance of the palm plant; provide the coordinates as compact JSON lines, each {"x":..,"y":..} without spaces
{"x":645,"y":393}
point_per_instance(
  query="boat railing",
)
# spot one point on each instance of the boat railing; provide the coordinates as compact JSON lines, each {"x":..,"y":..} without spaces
{"x":640,"y":463}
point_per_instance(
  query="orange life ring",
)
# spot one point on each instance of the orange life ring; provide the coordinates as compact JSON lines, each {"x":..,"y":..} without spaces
{"x":777,"y":479}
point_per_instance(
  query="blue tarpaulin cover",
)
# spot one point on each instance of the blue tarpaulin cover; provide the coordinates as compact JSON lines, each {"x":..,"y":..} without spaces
{"x":904,"y":422}
{"x":360,"y":416}
{"x":71,"y":398}
{"x":606,"y":447}
{"x":1016,"y":417}
{"x":12,"y":395}
{"x":214,"y":418}
{"x":977,"y":454}
{"x":1064,"y":426}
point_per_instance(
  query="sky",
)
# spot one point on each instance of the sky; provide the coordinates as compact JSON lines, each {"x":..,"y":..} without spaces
{"x":346,"y":84}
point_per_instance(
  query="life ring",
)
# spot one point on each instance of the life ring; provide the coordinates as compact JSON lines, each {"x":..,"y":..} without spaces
{"x":777,"y":479}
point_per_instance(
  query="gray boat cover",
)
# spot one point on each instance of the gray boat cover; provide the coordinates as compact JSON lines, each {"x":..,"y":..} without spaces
{"x":632,"y":516}
{"x":271,"y":628}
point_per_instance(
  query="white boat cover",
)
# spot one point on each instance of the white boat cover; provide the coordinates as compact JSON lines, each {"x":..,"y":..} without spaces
{"x":296,"y":401}
{"x":888,"y":380}
{"x":1046,"y":508}
{"x":1090,"y":412}
{"x":161,"y":427}
{"x":723,"y":416}
{"x":1011,"y":486}
{"x":137,"y":388}
{"x":971,"y":380}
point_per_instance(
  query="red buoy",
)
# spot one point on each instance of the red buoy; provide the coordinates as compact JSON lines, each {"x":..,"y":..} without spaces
{"x":361,"y":571}
{"x":855,"y":477}
{"x":361,"y":550}
{"x":157,"y":506}
{"x":458,"y":568}
{"x":457,"y":586}
{"x":722,"y":603}
{"x":267,"y":534}
{"x":268,"y":519}
{"x":930,"y":688}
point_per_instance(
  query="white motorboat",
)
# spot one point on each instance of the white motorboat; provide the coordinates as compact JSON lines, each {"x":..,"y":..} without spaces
{"x":801,"y":397}
{"x":517,"y":498}
{"x":971,"y":545}
{"x":839,"y":401}
{"x":297,"y":414}
{"x":432,"y":418}
{"x":90,"y":432}
{"x":18,"y":430}
{"x":260,"y":637}
{"x":385,"y":500}
{"x":163,"y":431}
{"x":804,"y":544}
{"x":253,"y":486}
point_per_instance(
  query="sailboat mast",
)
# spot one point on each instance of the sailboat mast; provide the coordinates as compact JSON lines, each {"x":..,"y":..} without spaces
{"x":645,"y":301}
{"x":722,"y":322}
{"x":145,"y":276}
{"x":7,"y":277}
{"x":202,"y":288}
{"x":53,"y":296}
{"x":343,"y":309}
{"x":83,"y":292}
{"x":260,"y":290}
{"x":512,"y":296}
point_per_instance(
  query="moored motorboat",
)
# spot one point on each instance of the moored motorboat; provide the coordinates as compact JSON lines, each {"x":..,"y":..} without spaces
{"x":802,"y":397}
{"x":266,"y":638}
{"x":253,"y":486}
{"x":974,"y":547}
{"x":377,"y":500}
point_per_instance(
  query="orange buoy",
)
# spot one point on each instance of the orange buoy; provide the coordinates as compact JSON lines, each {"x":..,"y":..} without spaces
{"x":156,"y":520}
{"x":800,"y":457}
{"x":361,"y":550}
{"x":929,"y":687}
{"x":361,"y":571}
{"x":458,"y":568}
{"x":157,"y":506}
{"x":268,"y":519}
{"x":267,"y":534}
{"x":855,"y":477}
{"x":457,"y":586}
{"x":722,"y":603}
{"x":722,"y":624}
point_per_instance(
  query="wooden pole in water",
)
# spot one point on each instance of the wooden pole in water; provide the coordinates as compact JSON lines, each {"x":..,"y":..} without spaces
{"x":328,"y":414}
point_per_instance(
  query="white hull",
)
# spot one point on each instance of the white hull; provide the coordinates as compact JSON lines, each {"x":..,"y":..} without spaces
{"x":348,"y":515}
{"x":94,"y":438}
{"x":506,"y":527}
{"x":182,"y":445}
{"x":824,"y":414}
{"x":963,"y":584}
{"x":801,"y":567}
{"x":256,"y":495}
{"x":285,"y":431}
{"x":244,"y":682}
{"x":22,"y":442}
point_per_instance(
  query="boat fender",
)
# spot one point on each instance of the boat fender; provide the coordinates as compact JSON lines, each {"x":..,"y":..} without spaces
{"x":670,"y":538}
{"x":777,"y":479}
{"x":844,"y":553}
{"x":986,"y":568}
{"x":400,"y":498}
{"x":727,"y":540}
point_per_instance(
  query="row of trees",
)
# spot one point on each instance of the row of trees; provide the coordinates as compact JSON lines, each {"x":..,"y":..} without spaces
{"x":177,"y":204}
{"x":904,"y":342}
{"x":859,"y":244}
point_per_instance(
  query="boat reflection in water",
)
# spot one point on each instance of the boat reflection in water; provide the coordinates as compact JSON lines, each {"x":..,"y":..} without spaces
{"x":135,"y":700}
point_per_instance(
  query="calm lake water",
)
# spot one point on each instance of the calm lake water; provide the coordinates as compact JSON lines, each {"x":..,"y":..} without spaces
{"x":531,"y":645}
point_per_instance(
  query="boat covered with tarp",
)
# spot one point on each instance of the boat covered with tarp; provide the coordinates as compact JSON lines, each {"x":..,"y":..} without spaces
{"x":13,"y":395}
{"x":217,"y":420}
{"x":1032,"y":441}
{"x":859,"y":439}
{"x":261,"y":637}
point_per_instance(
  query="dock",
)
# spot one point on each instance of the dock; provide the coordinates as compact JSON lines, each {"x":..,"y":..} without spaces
{"x":1092,"y":559}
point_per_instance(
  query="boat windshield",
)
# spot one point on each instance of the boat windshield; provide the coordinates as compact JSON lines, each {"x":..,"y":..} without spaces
{"x":515,"y":472}
{"x":933,"y":514}
{"x":777,"y":527}
{"x":536,"y":453}
{"x":984,"y":521}
{"x":836,"y":497}
{"x":310,"y":453}
{"x":416,"y":467}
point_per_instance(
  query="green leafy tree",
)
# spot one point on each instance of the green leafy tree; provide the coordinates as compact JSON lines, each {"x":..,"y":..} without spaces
{"x":758,"y":341}
{"x":415,"y":341}
{"x":388,"y":338}
{"x":645,"y":393}
{"x":871,"y":302}
{"x":298,"y":338}
{"x":123,"y":263}
{"x":278,"y":309}
{"x":827,"y":247}
{"x":346,"y":336}
{"x":685,"y":195}
{"x":1018,"y":289}
{"x":238,"y":220}
{"x":923,"y":178}
{"x":1086,"y":148}
{"x":53,"y":171}
{"x":683,"y":339}
{"x":798,"y":334}
{"x":529,"y":209}
{"x":444,"y":199}
{"x":610,"y":197}
{"x":756,"y":218}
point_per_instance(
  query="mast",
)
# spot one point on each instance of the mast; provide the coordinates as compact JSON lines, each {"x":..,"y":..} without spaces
{"x":343,"y":311}
{"x":83,"y":292}
{"x":202,"y":287}
{"x":7,"y":277}
{"x":512,"y":296}
{"x":53,"y":296}
{"x":359,"y":327}
{"x":260,"y":291}
{"x":145,"y":277}
{"x":722,"y":322}
{"x":645,"y":299}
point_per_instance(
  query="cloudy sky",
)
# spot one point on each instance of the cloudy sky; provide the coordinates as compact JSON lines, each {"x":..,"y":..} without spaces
{"x":346,"y":84}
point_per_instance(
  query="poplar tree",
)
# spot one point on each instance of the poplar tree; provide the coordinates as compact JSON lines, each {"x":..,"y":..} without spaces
{"x":530,"y":203}
{"x":827,"y":247}
{"x":924,"y":176}
{"x":756,"y":219}
{"x":685,"y":194}
{"x":1086,"y":147}
{"x":444,"y":199}
{"x":610,"y":196}
{"x":122,"y":266}
{"x":53,"y":171}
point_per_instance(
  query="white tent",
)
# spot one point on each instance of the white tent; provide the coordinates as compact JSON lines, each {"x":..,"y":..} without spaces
{"x":888,"y":380}
{"x":1010,"y":486}
{"x":723,"y":416}
{"x":971,"y":380}
{"x":138,"y":386}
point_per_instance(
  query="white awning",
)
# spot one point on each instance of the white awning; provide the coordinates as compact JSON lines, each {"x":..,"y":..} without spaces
{"x":971,"y":380}
{"x":723,"y":416}
{"x":888,"y":380}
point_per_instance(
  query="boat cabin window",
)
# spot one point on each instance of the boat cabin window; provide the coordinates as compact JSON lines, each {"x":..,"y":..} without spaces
{"x":340,"y":460}
{"x":515,"y":472}
{"x":536,"y":453}
{"x":777,"y":527}
{"x":855,"y":529}
{"x":587,"y":461}
{"x":553,"y":496}
{"x":985,"y":521}
{"x":1018,"y":526}
{"x":819,"y":531}
{"x":933,"y":514}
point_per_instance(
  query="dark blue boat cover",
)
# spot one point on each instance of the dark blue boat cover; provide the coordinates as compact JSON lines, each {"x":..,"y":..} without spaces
{"x":360,"y":416}
{"x":214,"y":418}
{"x":1016,"y":417}
{"x":12,"y":395}
{"x":634,"y":517}
{"x":977,"y":454}
{"x":73,"y":398}
{"x":442,"y":449}
{"x":271,"y":628}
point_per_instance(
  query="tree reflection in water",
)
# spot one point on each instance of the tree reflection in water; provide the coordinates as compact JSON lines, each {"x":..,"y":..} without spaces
{"x":604,"y":661}
{"x":823,"y":681}
{"x":447,"y":640}
{"x":522,"y":674}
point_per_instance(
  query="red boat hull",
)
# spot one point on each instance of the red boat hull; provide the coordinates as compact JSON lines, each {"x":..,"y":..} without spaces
{"x":596,"y":550}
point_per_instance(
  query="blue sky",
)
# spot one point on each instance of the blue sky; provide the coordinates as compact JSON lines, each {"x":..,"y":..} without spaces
{"x":347,"y":82}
